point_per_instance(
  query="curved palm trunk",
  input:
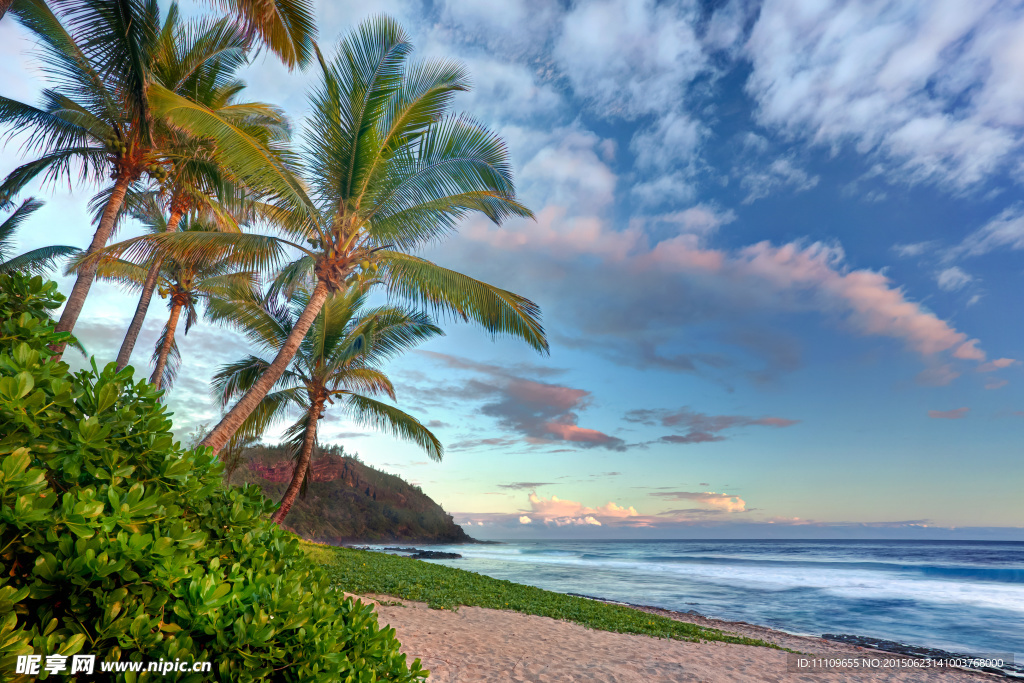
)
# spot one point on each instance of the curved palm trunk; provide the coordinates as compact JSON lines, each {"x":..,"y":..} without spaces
{"x":88,"y":272}
{"x":230,"y":423}
{"x":4,"y":6}
{"x":165,"y":348}
{"x":302,"y":465}
{"x":132,"y":335}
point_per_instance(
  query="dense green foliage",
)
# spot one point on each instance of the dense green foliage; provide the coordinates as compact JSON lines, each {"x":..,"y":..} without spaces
{"x":116,"y":542}
{"x":349,"y":501}
{"x":441,"y":587}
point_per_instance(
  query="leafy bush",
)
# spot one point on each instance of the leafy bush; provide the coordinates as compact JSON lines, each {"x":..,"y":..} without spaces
{"x":116,"y":542}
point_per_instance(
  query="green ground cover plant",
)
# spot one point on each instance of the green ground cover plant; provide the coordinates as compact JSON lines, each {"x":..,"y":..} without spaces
{"x":116,"y":542}
{"x":367,"y":572}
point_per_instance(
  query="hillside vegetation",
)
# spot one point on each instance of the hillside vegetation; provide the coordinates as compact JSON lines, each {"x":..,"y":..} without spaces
{"x":348,"y":501}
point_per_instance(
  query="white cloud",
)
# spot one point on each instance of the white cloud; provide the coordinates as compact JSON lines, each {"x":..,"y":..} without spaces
{"x":523,"y":519}
{"x":953,"y":278}
{"x":1005,"y":230}
{"x":702,"y":219}
{"x":630,"y":58}
{"x":915,"y":249}
{"x":561,"y":512}
{"x":781,"y":174}
{"x":933,"y":88}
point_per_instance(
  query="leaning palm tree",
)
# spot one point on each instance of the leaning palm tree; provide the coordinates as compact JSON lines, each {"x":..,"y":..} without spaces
{"x":390,"y":170}
{"x":184,"y":285}
{"x":200,"y":59}
{"x":35,"y":261}
{"x":99,"y":121}
{"x":340,"y":358}
{"x":98,"y":118}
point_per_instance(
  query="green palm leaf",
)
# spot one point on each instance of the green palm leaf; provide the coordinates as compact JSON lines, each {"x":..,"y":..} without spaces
{"x":447,"y":292}
{"x":383,"y":417}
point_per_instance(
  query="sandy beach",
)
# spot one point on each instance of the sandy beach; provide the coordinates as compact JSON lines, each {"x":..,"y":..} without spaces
{"x":476,"y":644}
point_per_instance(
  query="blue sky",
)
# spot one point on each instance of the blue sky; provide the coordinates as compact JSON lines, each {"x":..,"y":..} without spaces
{"x":778,"y":247}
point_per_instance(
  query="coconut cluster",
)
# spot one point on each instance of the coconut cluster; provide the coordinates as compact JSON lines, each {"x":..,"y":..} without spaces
{"x":115,"y":144}
{"x":157,"y":172}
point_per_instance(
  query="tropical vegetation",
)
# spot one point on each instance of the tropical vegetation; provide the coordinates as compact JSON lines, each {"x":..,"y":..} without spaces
{"x":389,"y":170}
{"x":115,"y":542}
{"x":340,"y":359}
{"x":112,"y":536}
{"x":186,"y":286}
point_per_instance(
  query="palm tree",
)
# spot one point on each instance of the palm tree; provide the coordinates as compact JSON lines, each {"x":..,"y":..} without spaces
{"x":390,"y":170}
{"x":185,"y":285}
{"x":199,"y":59}
{"x":101,"y":119}
{"x":340,"y":358}
{"x":35,"y":261}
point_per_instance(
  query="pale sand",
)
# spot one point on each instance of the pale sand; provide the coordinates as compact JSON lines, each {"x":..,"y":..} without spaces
{"x":476,"y":644}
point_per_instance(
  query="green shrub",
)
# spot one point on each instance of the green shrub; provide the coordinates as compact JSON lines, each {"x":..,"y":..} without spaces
{"x":117,"y":543}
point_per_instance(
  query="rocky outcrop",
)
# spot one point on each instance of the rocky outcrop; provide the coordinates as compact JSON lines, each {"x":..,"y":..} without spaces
{"x":348,"y":501}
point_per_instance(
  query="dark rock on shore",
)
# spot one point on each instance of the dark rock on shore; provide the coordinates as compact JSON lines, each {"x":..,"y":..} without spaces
{"x":418,"y":554}
{"x":435,"y":555}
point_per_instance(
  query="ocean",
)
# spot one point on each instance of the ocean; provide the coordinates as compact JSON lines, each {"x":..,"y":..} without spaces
{"x":964,"y":597}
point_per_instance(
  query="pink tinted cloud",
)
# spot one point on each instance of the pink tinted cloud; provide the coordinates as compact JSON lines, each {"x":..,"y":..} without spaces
{"x":570,"y":432}
{"x":716,"y":501}
{"x":555,"y":510}
{"x":956,"y":414}
{"x":997,"y":364}
{"x":793,"y":276}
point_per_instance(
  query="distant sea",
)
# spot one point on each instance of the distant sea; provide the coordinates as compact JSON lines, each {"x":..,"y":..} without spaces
{"x":964,"y":597}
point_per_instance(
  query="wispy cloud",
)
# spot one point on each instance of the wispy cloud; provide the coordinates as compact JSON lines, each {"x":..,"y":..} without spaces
{"x":694,"y":427}
{"x":716,"y":501}
{"x":955,"y":414}
{"x":926,"y":88}
{"x":535,"y":411}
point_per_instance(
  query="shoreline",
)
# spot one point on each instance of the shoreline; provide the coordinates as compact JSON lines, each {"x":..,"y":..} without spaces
{"x":786,"y":639}
{"x":770,"y":634}
{"x":483,"y":645}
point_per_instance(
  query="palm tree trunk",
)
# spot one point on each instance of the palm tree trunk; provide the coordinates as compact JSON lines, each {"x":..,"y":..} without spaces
{"x":302,"y":465}
{"x":88,"y":272}
{"x":165,"y":348}
{"x":132,"y":335}
{"x":230,"y":423}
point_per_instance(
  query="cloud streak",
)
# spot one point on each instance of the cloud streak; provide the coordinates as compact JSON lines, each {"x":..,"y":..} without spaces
{"x":693,"y":427}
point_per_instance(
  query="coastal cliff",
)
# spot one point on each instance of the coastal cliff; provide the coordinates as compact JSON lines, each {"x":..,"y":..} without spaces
{"x":347,"y":501}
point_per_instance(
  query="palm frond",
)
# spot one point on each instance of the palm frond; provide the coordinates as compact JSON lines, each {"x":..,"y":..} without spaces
{"x":270,"y":411}
{"x":259,"y":167}
{"x":13,"y":221}
{"x":286,"y":27}
{"x":39,"y":260}
{"x":171,"y":366}
{"x":363,"y":381}
{"x":384,"y":417}
{"x":447,"y":293}
{"x":52,"y":166}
